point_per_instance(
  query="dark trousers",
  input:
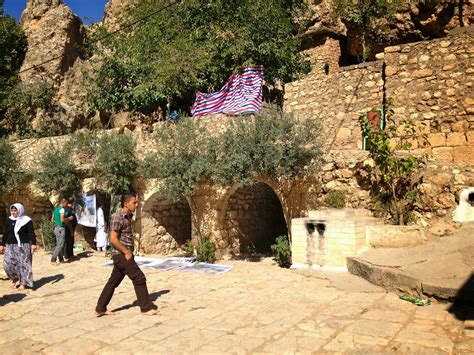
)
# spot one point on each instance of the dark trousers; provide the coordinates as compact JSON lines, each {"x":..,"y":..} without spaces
{"x":68,"y":243}
{"x":123,"y":267}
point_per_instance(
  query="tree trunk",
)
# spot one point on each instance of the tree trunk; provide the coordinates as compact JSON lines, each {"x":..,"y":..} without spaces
{"x":195,"y":221}
{"x":364,"y":49}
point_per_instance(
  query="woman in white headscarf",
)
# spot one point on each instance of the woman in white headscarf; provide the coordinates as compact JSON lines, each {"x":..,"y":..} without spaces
{"x":19,"y":242}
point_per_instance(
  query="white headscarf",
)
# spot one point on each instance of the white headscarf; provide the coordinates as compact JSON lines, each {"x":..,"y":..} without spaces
{"x":21,"y":220}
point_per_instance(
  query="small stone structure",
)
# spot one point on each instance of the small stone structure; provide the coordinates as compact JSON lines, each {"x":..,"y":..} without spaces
{"x":327,"y":237}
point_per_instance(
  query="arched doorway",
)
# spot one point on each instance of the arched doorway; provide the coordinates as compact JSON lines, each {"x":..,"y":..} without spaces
{"x":254,"y":219}
{"x":165,"y":225}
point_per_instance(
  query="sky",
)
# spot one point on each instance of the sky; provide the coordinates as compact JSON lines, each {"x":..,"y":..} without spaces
{"x":89,"y":11}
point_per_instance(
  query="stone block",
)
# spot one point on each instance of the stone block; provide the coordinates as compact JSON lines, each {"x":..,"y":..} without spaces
{"x":437,"y":139}
{"x":456,"y":139}
{"x":458,"y":126}
{"x":464,"y":155}
{"x":443,"y":153}
{"x":470,"y":137}
{"x":390,"y":70}
{"x":422,"y":73}
{"x":388,"y":236}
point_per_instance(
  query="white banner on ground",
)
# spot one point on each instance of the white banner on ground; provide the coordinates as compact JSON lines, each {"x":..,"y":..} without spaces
{"x":177,"y":263}
{"x":86,"y":211}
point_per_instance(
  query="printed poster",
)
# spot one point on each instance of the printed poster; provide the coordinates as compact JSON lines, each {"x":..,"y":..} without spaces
{"x":86,"y":211}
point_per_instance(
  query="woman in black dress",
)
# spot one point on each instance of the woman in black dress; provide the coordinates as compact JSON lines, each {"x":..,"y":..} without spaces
{"x":19,"y":242}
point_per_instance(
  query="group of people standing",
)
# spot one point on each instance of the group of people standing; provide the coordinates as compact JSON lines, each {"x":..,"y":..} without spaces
{"x":64,"y":219}
{"x":19,"y":240}
{"x":19,"y":244}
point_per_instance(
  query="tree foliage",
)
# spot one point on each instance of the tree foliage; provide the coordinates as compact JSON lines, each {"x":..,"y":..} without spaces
{"x":272,"y":144}
{"x":21,"y":103}
{"x":115,"y":163}
{"x":12,"y":52}
{"x":371,"y":18}
{"x":57,"y":173}
{"x":9,"y":166}
{"x":192,"y":46}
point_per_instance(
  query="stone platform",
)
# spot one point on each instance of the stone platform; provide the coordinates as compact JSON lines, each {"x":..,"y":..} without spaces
{"x":439,"y":268}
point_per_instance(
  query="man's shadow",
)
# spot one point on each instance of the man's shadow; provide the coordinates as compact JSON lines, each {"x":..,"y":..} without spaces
{"x":463,"y":305}
{"x":48,"y":279}
{"x":15,"y":297}
{"x":153,"y":297}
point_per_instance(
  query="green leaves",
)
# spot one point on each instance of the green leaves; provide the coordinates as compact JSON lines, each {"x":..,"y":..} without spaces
{"x":371,"y":17}
{"x":192,"y":46}
{"x":394,"y":178}
{"x":9,"y":167}
{"x":58,"y":174}
{"x":115,"y":163}
{"x":12,"y":52}
{"x":272,"y":144}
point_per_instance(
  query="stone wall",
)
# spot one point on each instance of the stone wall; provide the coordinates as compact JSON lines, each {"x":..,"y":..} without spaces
{"x":324,"y":58}
{"x":431,"y":83}
{"x":165,"y":225}
{"x":337,"y":99}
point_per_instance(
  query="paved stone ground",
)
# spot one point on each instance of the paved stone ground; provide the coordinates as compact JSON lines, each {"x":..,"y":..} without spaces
{"x":256,"y":308}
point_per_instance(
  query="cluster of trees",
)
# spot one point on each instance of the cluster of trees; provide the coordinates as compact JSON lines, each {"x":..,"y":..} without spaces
{"x":177,"y":49}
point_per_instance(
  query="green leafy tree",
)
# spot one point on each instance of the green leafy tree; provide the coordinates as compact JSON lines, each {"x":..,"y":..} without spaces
{"x":9,"y":166}
{"x":183,"y":159}
{"x":57,"y":174}
{"x":21,"y":103}
{"x":12,"y":52}
{"x":192,"y":46}
{"x":395,"y":176}
{"x":115,"y":163}
{"x":370,"y":17}
{"x":272,"y":144}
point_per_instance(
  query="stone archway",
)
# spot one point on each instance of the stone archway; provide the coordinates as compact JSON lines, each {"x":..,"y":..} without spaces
{"x":165,"y":225}
{"x":253,"y":219}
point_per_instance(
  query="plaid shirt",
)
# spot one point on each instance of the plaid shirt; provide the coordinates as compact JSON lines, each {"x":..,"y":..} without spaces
{"x":122,"y":224}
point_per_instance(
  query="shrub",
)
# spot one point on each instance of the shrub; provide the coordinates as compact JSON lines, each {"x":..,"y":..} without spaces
{"x":395,"y":177}
{"x":188,"y":248}
{"x":335,"y":199}
{"x":9,"y":165}
{"x":282,"y":251}
{"x":47,"y":227}
{"x":205,"y":250}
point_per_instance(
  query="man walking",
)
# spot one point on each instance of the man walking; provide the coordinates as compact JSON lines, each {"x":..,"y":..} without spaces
{"x":121,"y":237}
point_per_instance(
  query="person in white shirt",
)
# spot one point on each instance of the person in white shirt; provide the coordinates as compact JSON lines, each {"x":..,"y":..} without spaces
{"x":101,"y":234}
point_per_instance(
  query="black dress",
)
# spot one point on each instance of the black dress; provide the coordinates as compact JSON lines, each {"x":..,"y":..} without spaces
{"x":18,"y":258}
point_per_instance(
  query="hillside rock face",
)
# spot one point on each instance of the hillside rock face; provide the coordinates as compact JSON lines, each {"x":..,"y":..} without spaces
{"x":53,"y":31}
{"x":414,"y":22}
